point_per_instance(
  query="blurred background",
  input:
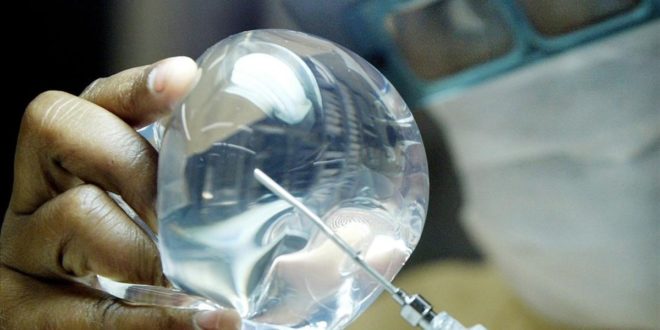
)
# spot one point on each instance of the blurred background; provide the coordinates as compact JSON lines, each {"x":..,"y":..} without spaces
{"x":541,"y":121}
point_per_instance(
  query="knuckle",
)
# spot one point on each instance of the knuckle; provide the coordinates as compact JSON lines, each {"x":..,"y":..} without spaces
{"x":74,"y":213}
{"x":44,"y":113}
{"x":85,"y":204}
{"x":93,"y":217}
{"x":45,"y":98}
{"x":38,"y":107}
{"x":85,"y":199}
{"x":91,"y":208}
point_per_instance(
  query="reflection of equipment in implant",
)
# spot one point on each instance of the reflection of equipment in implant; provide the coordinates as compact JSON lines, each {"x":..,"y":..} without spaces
{"x":414,"y":309}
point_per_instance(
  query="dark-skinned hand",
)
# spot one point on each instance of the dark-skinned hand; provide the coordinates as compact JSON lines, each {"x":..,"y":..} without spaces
{"x":62,"y":224}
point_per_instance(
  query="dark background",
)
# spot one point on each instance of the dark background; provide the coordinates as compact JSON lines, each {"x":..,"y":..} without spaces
{"x":57,"y":45}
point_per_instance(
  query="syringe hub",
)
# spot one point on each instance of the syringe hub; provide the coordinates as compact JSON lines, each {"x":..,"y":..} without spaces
{"x":416,"y":310}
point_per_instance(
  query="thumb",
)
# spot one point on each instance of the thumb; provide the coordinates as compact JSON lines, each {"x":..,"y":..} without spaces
{"x":211,"y":320}
{"x":28,"y":303}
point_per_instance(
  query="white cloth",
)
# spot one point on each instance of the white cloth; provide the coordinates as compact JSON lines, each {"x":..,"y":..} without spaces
{"x":560,"y":166}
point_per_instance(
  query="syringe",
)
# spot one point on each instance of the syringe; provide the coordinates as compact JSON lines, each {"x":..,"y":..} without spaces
{"x":414,"y":308}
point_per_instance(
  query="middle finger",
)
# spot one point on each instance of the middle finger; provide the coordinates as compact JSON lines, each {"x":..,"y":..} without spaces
{"x":78,"y":233}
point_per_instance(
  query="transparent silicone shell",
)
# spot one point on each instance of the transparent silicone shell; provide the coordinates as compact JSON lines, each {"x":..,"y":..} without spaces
{"x":330,"y":129}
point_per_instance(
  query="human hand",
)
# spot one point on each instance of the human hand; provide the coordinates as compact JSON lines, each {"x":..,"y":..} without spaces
{"x":62,"y":224}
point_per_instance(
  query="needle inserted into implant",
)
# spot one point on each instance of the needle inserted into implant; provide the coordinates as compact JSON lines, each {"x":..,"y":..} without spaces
{"x":414,"y":309}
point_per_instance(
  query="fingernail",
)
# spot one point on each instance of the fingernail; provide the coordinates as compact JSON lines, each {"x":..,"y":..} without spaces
{"x":174,"y":72}
{"x":218,"y":319}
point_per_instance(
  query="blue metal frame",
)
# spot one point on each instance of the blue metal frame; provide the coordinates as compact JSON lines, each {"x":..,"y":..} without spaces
{"x":366,"y":22}
{"x":553,"y":44}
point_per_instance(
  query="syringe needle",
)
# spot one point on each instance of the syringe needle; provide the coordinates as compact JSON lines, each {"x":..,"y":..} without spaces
{"x":414,"y":309}
{"x":278,"y":190}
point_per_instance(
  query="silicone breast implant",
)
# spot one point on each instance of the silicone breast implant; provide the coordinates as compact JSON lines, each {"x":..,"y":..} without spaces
{"x":330,"y":129}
